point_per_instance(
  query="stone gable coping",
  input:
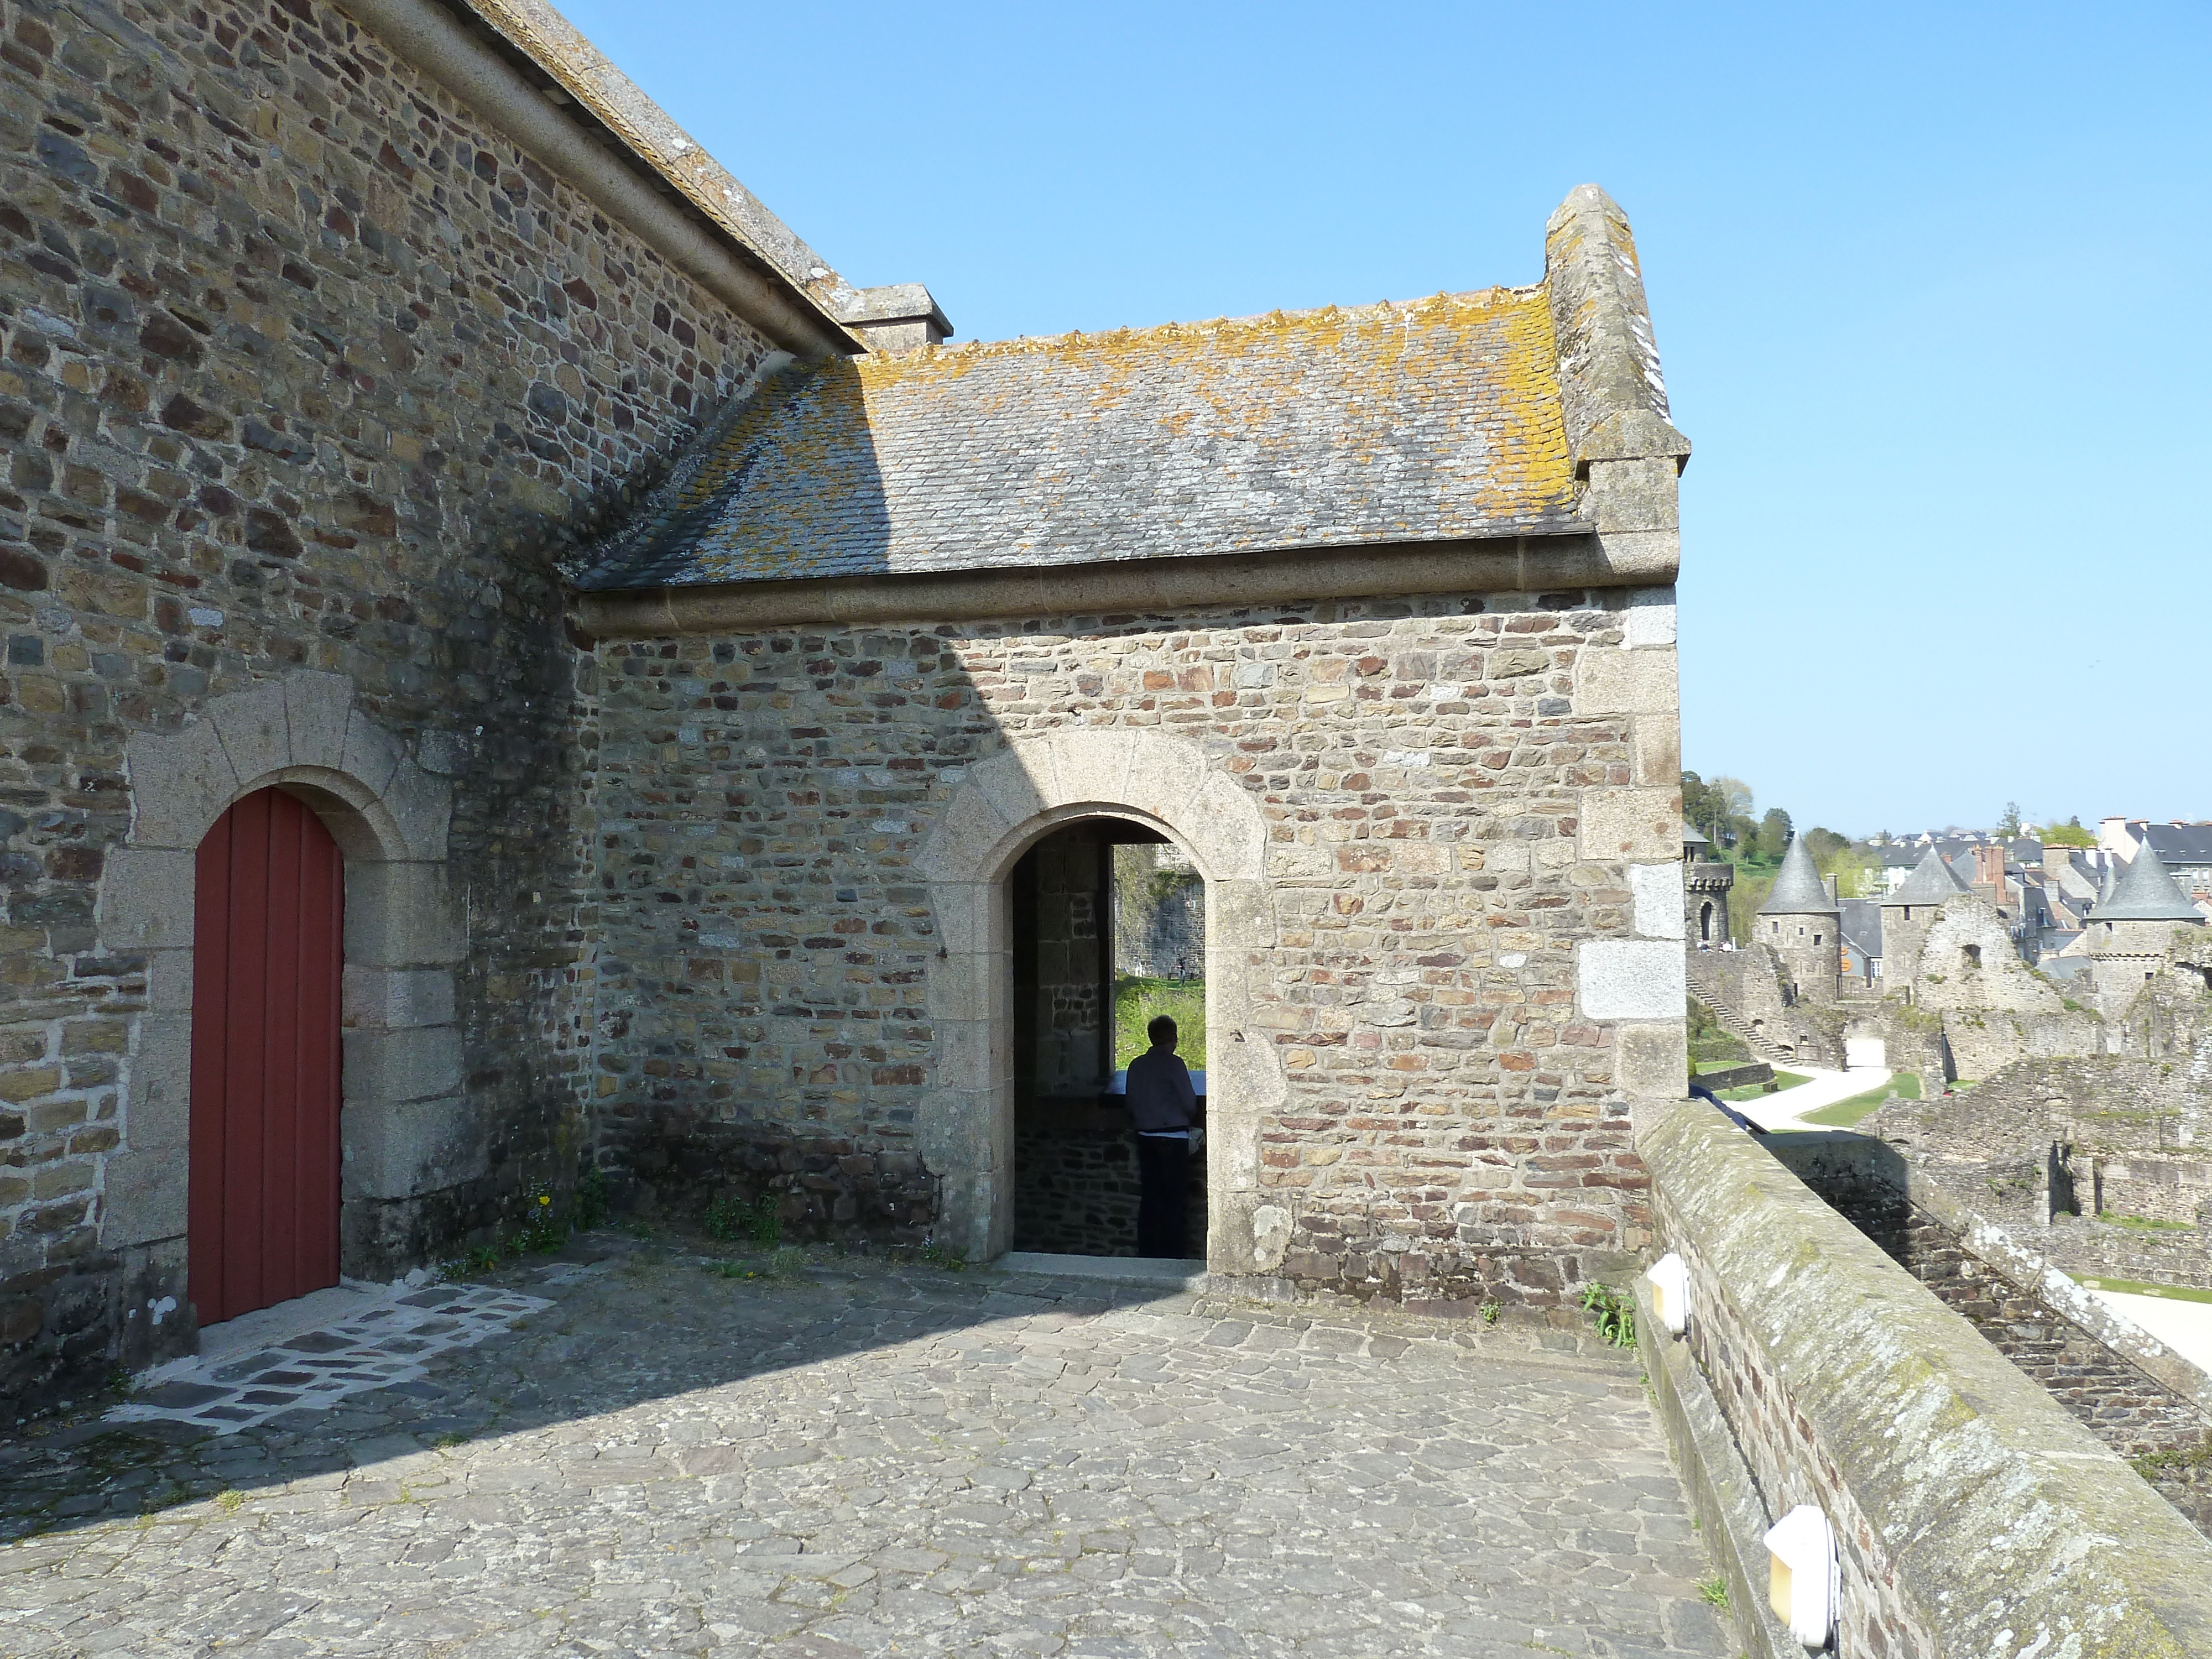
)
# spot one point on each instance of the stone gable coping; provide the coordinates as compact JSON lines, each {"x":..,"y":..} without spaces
{"x":524,"y":70}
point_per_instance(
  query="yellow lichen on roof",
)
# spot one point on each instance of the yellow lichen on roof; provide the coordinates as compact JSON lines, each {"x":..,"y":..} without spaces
{"x":1435,"y":418}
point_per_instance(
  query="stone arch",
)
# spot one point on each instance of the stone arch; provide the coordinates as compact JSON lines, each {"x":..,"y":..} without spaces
{"x":1001,"y":806}
{"x":399,"y":1120}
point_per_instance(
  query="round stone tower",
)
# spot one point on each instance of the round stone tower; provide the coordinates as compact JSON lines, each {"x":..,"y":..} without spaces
{"x":2131,"y":932}
{"x":1803,"y":924}
{"x":1905,"y":916}
{"x":1705,"y":884}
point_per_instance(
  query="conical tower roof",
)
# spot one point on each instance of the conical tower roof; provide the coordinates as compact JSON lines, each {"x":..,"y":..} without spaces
{"x":1932,"y":881}
{"x":1690,"y":838}
{"x":2145,"y":892}
{"x":2112,"y":881}
{"x":1798,"y":889}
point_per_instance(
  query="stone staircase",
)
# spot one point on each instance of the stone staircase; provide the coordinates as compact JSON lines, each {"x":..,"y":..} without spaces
{"x":1705,"y":986}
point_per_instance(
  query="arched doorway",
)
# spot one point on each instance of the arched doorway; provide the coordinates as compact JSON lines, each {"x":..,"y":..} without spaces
{"x":268,"y":931}
{"x":1706,"y":922}
{"x":1107,"y":922}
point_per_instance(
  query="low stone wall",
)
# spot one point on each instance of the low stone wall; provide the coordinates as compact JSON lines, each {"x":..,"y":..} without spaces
{"x":1076,"y":1185}
{"x":1973,"y":1514}
{"x":829,"y":1189}
{"x":1737,"y":1076}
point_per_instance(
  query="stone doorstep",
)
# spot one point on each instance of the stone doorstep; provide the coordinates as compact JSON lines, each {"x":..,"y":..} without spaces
{"x":1168,"y":1272}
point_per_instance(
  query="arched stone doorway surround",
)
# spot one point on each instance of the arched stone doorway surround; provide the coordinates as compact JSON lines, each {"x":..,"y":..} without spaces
{"x":1002,"y":805}
{"x":400,"y":1125}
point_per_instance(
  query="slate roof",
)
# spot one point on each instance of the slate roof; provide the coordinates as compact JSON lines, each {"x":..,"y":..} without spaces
{"x":2180,"y":843}
{"x":1931,"y":882}
{"x":1798,"y":889}
{"x":2145,"y":892}
{"x":1861,"y":925}
{"x":1433,"y":419}
{"x":1691,"y":837}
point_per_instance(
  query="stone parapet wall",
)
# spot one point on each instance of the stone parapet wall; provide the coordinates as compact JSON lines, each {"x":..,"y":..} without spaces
{"x":1846,"y":1385}
{"x":306,"y":369}
{"x":2145,"y":1401}
{"x":1450,"y":799}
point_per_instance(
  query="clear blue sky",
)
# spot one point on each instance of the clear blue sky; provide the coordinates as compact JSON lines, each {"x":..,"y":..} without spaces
{"x":1932,"y":284}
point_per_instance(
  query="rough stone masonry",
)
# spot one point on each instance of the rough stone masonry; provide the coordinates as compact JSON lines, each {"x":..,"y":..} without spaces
{"x":682,"y":645}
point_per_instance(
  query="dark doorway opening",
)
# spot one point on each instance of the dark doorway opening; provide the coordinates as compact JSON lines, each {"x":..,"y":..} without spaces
{"x":267,"y":965}
{"x":1108,"y":918}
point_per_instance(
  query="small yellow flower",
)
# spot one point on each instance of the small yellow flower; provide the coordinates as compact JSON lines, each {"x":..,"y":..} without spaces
{"x":543,"y":1199}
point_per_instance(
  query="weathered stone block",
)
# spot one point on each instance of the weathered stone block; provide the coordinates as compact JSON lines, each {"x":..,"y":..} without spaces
{"x":317,"y":707}
{"x":146,"y":899}
{"x":410,"y":1063}
{"x":1657,"y":892}
{"x":1092,"y":767}
{"x":1631,"y":825}
{"x":160,"y":1116}
{"x":408,"y":1149}
{"x":1630,"y":979}
{"x":254,"y":733}
{"x":369,"y":753}
{"x":1651,"y":1059}
{"x":179,"y":785}
{"x":169,"y":980}
{"x":966,"y":837}
{"x":1627,"y":682}
{"x":422,"y":806}
{"x":397,"y":996}
{"x":145,"y":1200}
{"x":399,"y":915}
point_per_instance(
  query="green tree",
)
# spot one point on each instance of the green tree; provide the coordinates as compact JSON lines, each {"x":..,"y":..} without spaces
{"x":1773,"y":833}
{"x":2069,"y":833}
{"x":1825,"y":843}
{"x":2009,"y":826}
{"x":1745,"y":896}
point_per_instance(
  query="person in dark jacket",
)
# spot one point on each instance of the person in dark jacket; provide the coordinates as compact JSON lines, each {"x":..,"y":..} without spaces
{"x":1163,"y":1105}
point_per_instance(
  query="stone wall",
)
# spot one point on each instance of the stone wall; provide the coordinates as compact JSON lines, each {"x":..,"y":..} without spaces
{"x":1452,"y":790}
{"x":1749,"y":983}
{"x":1076,"y":1185}
{"x":305,"y":369}
{"x":2153,"y":1409}
{"x":1159,"y":906}
{"x":1847,"y":1386}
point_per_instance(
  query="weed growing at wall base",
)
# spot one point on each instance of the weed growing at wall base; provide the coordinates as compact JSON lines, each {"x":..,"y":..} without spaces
{"x":1614,"y":1313}
{"x":731,"y":1220}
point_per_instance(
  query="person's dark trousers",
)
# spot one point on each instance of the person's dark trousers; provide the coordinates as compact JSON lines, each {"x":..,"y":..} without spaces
{"x":1163,"y":1178}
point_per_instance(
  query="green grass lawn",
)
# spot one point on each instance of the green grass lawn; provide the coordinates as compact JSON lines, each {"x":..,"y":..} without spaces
{"x":1753,"y":1091}
{"x":1845,"y":1112}
{"x":2136,"y":1287}
{"x":1137,"y":999}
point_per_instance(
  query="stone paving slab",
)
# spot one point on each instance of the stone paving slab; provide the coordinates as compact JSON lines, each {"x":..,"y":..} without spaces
{"x":859,"y":1459}
{"x":384,"y":1341}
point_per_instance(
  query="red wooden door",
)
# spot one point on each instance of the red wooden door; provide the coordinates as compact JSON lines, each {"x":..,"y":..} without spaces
{"x":267,"y":953}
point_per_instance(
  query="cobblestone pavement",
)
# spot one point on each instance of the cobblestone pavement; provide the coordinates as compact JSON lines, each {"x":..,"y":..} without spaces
{"x":852,"y":1458}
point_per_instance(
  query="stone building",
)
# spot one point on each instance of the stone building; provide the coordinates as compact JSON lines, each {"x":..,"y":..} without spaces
{"x":2131,"y":930}
{"x":1802,"y":923}
{"x":675,"y":650}
{"x":1706,"y":881}
{"x":1908,"y":911}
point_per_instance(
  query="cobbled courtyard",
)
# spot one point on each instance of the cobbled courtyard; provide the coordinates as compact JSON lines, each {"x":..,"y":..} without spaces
{"x":849,"y":1457}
